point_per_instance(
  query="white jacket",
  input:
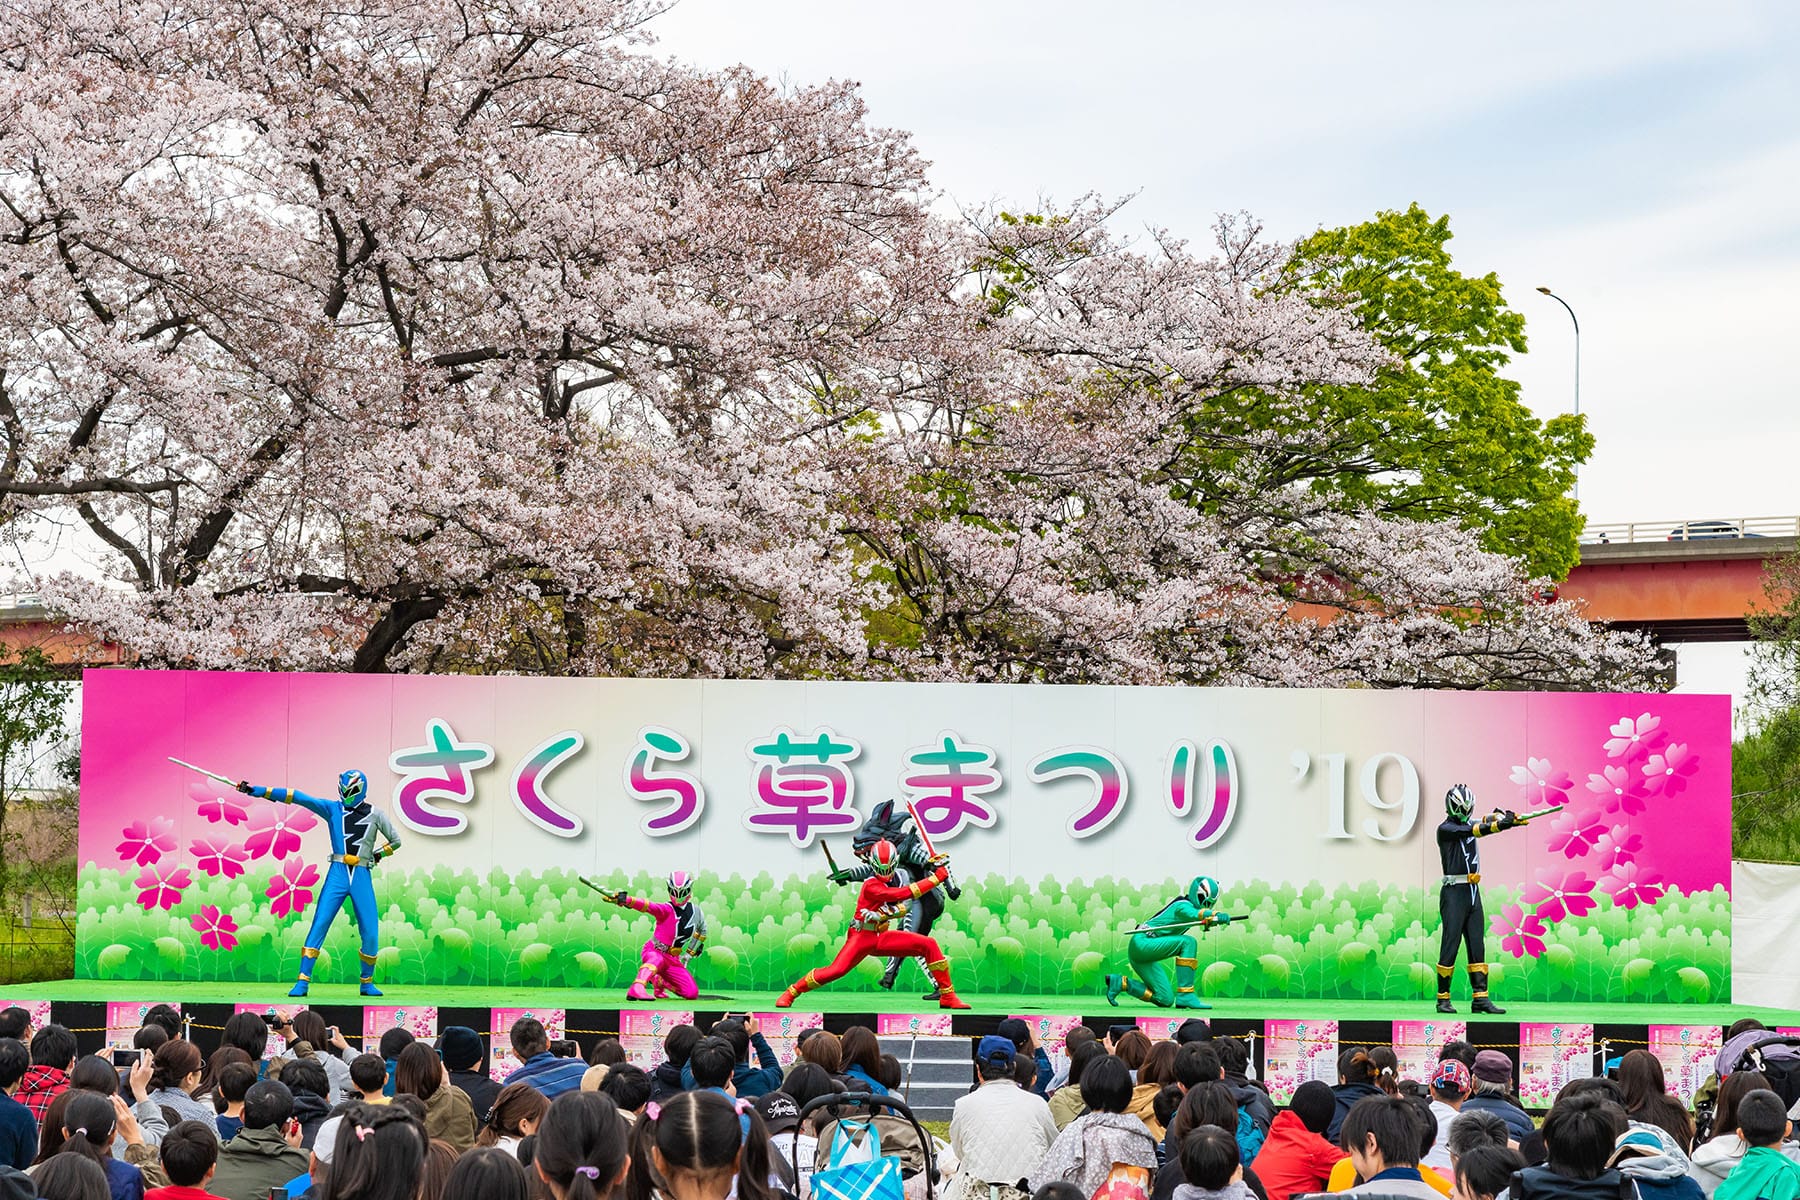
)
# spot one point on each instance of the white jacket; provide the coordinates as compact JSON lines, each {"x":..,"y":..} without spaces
{"x":1718,"y":1158}
{"x":999,"y":1134}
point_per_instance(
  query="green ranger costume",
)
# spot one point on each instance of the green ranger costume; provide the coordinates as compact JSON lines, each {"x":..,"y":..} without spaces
{"x":1149,"y":949}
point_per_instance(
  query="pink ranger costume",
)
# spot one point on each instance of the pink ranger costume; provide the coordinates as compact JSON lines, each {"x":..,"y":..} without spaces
{"x":679,"y":936}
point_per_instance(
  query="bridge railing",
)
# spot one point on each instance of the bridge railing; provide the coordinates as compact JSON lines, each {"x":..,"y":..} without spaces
{"x":1704,"y":530}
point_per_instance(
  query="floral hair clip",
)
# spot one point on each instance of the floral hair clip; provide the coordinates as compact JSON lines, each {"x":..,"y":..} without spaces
{"x":362,"y":1133}
{"x":592,"y":1173}
{"x":653,"y":1110}
{"x":743,"y":1106}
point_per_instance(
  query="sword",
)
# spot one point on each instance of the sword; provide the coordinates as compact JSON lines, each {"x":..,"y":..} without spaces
{"x":1208,"y":922}
{"x":231,"y":783}
{"x":1542,"y":812}
{"x":832,"y":862}
{"x":607,"y":892}
{"x":930,"y":850}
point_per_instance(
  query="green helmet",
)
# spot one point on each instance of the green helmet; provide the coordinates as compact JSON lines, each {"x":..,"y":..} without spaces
{"x":1203,"y":892}
{"x":1459,"y":802}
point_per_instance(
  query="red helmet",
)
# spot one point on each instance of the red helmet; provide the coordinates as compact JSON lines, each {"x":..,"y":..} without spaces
{"x":884,"y":857}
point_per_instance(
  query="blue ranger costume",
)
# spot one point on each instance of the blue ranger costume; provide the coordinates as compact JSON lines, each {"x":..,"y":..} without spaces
{"x":357,"y":831}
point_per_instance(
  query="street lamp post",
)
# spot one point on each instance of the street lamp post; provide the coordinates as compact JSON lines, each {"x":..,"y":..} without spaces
{"x":1572,"y":317}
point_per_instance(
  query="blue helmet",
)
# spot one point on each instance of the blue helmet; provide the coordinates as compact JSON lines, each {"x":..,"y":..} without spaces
{"x":353,"y":787}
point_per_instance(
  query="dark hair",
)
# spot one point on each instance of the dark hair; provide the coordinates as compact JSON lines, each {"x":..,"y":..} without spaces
{"x":628,"y":1085}
{"x":1315,"y":1104}
{"x":248,"y":1032}
{"x":1159,"y":1065}
{"x":733,"y":1031}
{"x":807,"y":1082}
{"x":1487,"y":1170}
{"x":679,"y":1042}
{"x":1732,"y":1090}
{"x":891,"y":1075}
{"x":1106,"y":1084}
{"x":235,"y":1082}
{"x":91,"y":1073}
{"x":712,"y":1062}
{"x":1647,"y":1098}
{"x":862,"y":1049}
{"x":1741,"y":1025}
{"x":384,"y":1163}
{"x":72,"y":1177}
{"x":1077,"y":1036}
{"x":368,"y":1072}
{"x":1166,"y":1103}
{"x":824,"y":1049}
{"x":581,"y":1146}
{"x":15,"y":1060}
{"x":188,"y":1152}
{"x":1355,"y":1066}
{"x":165,"y":1015}
{"x":50,"y":1129}
{"x":515,"y":1104}
{"x":487,"y":1173}
{"x":1597,"y":1085}
{"x":1132,"y":1048}
{"x":1234,"y":1055}
{"x":1461,"y":1051}
{"x":221,"y":1058}
{"x":1762,"y":1117}
{"x":702,"y":1134}
{"x":310,"y":1027}
{"x":1059,"y":1189}
{"x":1428,"y":1130}
{"x":306,"y":1075}
{"x":1211,"y":1103}
{"x":412,"y":1106}
{"x":528,"y":1038}
{"x":1080,"y":1057}
{"x":173,"y":1062}
{"x":149,"y":1037}
{"x":1579,"y":1134}
{"x":1474,"y":1128}
{"x":1209,"y":1157}
{"x":53,"y":1046}
{"x":14,"y":1021}
{"x":395,"y":1040}
{"x":608,"y":1051}
{"x":1390,"y":1121}
{"x":440,"y":1160}
{"x":1196,"y":1063}
{"x":87,"y":1125}
{"x":1387,"y":1068}
{"x":267,"y":1104}
{"x":419,"y":1071}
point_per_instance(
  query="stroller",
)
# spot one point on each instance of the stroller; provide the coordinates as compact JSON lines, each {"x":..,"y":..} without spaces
{"x":1776,"y":1055}
{"x":872,"y":1158}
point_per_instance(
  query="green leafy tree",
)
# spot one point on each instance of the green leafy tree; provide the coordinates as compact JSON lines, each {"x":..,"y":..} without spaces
{"x":1765,"y":766}
{"x":38,"y":772}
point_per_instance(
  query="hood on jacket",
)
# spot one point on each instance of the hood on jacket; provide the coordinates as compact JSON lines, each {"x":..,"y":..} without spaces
{"x":1122,"y":1123}
{"x":41,"y":1079}
{"x":1718,"y":1156}
{"x":1642,"y":1155}
{"x":309,"y":1108}
{"x":268,"y":1142}
{"x":1541,"y":1183}
{"x":1231,"y":1191}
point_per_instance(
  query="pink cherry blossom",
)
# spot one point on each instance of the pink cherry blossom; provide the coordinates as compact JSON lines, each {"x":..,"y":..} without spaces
{"x":1575,"y":831}
{"x":1669,"y":771}
{"x":219,"y":807}
{"x":161,"y":885}
{"x":1555,"y":896}
{"x":1631,"y":884}
{"x":1622,"y":788}
{"x":147,"y":841}
{"x":1540,"y":784}
{"x":1521,"y":935}
{"x":1618,"y":845}
{"x":219,"y":858}
{"x":218,"y":931}
{"x":291,"y":889}
{"x":275,"y":830}
{"x":1632,"y":738}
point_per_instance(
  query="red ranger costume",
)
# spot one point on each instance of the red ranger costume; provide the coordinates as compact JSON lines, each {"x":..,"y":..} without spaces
{"x":878,"y":905}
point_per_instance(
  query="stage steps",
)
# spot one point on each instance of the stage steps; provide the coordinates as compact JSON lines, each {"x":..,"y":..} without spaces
{"x":942,"y":1070}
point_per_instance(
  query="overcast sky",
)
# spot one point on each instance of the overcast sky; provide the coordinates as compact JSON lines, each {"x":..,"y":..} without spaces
{"x":1642,"y":159}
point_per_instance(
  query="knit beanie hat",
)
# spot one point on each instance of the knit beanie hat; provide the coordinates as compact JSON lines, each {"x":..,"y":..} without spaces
{"x":460,"y":1048}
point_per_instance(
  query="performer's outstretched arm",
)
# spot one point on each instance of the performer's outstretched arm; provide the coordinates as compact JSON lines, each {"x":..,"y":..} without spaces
{"x":887,"y":893}
{"x":283,"y":795}
{"x":1497,"y":822}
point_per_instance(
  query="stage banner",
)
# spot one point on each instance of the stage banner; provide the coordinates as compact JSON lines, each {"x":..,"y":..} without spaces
{"x":501,"y":1059}
{"x":1550,"y":1056}
{"x":420,"y":1020}
{"x":1688,"y":1054}
{"x":125,"y":1017}
{"x":1161,"y":1029}
{"x":1417,"y":1043}
{"x":641,"y":1033}
{"x":899,"y":1025}
{"x":1297,"y":1051}
{"x":38,"y":1009}
{"x":782,"y":1030}
{"x":1071,"y":814}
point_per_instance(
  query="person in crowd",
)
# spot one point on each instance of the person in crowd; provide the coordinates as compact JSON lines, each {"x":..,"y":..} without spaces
{"x":378,"y":1154}
{"x":1461,"y":1051}
{"x":607,"y":1052}
{"x":1208,"y":1103}
{"x":518,"y":1110}
{"x":90,"y":1124}
{"x":462,"y":1053}
{"x":1382,"y":1136}
{"x":1765,"y":1172}
{"x":434,"y":1175}
{"x":1647,"y":1165}
{"x":69,"y":1177}
{"x":999,"y":1132}
{"x":678,"y":1043}
{"x":1018,"y":1031}
{"x":1579,"y":1134}
{"x":743,"y":1035}
{"x":781,"y":1119}
{"x":1153,"y":1074}
{"x":1441,"y":1181}
{"x":1067,"y":1103}
{"x":691,"y":1149}
{"x":310,"y":1028}
{"x":250,"y":1033}
{"x":1713,"y":1161}
{"x":1086,"y":1149}
{"x":892,"y":1076}
{"x":368,"y":1079}
{"x":1073,"y":1041}
{"x":1295,"y":1158}
{"x":798,"y":1144}
{"x":167,"y":1018}
{"x":15,"y":1023}
{"x":486,"y":1173}
{"x":1210,"y":1167}
{"x":149,"y":1037}
{"x":1387,"y":1069}
{"x":1252,"y":1096}
{"x":18,"y":1128}
{"x":449,"y":1116}
{"x":216,"y":1062}
{"x":581,"y":1148}
{"x":1357,"y":1073}
{"x":1647,"y":1099}
{"x":823,"y":1049}
{"x":1132,"y":1048}
{"x":53,"y":1053}
{"x":235,"y":1082}
{"x":1491,"y":1090}
{"x":175,"y":1072}
{"x":862,"y":1059}
{"x":189,"y":1156}
{"x":266,"y":1152}
{"x":1472,"y":1130}
{"x":1059,"y":1190}
{"x":93,"y":1073}
{"x":710,"y":1065}
{"x":1449,"y":1087}
{"x":392,"y":1043}
{"x":1485,"y":1172}
{"x":628,"y":1086}
{"x":306,"y":1079}
{"x":538,"y":1067}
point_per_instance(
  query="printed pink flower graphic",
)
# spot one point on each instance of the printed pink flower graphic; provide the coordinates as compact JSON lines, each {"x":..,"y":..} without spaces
{"x":1542,"y":784}
{"x":217,"y":930}
{"x":1521,"y":935}
{"x":1623,"y":791}
{"x":1553,"y":899}
{"x":1575,"y":831}
{"x":275,"y":830}
{"x":1670,"y":771}
{"x":161,"y":885}
{"x":291,"y":890}
{"x":1631,"y":884}
{"x":1631,"y":739}
{"x":1618,"y":845}
{"x":147,"y":841}
{"x":217,"y":807}
{"x":219,"y":858}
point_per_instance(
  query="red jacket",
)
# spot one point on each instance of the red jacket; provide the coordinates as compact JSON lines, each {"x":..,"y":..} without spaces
{"x":1294,"y":1159}
{"x":39,"y":1088}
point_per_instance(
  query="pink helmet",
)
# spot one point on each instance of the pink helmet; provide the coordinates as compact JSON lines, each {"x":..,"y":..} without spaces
{"x":681,"y":886}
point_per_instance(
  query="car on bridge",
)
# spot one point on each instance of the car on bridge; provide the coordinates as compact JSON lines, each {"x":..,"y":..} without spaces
{"x":1702,"y":531}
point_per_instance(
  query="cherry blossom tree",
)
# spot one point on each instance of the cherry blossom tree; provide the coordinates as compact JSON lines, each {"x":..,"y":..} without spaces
{"x":473,"y":335}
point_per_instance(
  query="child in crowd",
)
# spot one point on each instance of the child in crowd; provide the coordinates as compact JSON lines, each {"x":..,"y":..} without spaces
{"x":1210,"y":1166}
{"x":692,"y":1148}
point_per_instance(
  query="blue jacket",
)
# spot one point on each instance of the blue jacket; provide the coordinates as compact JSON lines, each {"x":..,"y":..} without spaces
{"x":123,"y":1180}
{"x":18,"y":1134}
{"x":861,"y":1076}
{"x":550,"y":1075}
{"x":1516,"y":1121}
{"x":749,"y":1081}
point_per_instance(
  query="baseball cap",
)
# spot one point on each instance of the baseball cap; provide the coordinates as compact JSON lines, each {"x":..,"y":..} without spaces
{"x":1015,"y":1030}
{"x":996,"y":1050}
{"x":326,"y":1139}
{"x":778,"y":1111}
{"x":1451,"y":1076}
